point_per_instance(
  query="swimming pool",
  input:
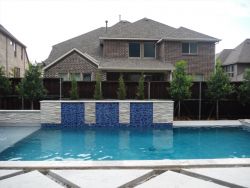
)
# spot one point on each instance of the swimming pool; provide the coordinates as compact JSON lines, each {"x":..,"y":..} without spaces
{"x":130,"y":143}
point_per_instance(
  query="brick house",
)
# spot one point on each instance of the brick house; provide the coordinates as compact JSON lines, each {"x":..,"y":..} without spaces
{"x":132,"y":48}
{"x":13,"y":56}
{"x":235,"y":61}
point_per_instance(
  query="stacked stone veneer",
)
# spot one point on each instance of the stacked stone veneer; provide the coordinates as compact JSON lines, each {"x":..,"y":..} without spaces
{"x":20,"y":116}
{"x":106,"y":113}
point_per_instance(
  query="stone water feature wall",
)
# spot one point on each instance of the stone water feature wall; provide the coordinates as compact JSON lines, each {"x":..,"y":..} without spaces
{"x":107,"y":113}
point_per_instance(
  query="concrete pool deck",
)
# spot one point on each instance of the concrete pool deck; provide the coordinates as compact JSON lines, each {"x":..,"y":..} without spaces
{"x":112,"y":177}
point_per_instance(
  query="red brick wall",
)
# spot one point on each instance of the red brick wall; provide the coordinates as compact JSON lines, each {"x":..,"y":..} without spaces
{"x":72,"y":63}
{"x":115,"y":49}
{"x":202,"y":63}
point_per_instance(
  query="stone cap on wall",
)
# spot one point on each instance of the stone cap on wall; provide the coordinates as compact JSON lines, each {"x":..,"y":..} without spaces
{"x":109,"y":100}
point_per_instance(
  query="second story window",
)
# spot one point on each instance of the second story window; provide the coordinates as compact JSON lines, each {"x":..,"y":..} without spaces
{"x":230,"y":70}
{"x":21,"y":52}
{"x":189,"y":48}
{"x":149,"y":49}
{"x":14,"y":47}
{"x":134,"y":49}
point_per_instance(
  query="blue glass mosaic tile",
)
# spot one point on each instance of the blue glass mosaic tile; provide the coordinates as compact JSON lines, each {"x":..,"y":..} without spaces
{"x":72,"y":114}
{"x":107,"y":114}
{"x":141,"y":114}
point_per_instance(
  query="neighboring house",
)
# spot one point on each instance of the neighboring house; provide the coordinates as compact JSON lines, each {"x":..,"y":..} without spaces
{"x":13,"y":55}
{"x":235,"y":61}
{"x":132,"y":48}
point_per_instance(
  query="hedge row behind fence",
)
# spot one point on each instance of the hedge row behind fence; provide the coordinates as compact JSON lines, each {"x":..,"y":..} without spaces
{"x":230,"y":108}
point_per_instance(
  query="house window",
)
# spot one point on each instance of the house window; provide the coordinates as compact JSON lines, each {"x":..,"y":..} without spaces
{"x":134,"y":49}
{"x":77,"y":76}
{"x":64,"y":76}
{"x":14,"y":47}
{"x":21,"y":52}
{"x":86,"y":77}
{"x":230,"y":70}
{"x":189,"y":48}
{"x":149,"y":49}
{"x":16,"y":72}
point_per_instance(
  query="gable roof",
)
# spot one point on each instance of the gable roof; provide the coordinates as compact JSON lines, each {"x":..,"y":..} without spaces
{"x":240,"y":54}
{"x":85,"y":55}
{"x":183,"y":33}
{"x":8,"y":34}
{"x":143,"y":28}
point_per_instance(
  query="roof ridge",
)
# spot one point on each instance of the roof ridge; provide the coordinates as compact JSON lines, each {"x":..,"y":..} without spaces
{"x":77,"y":36}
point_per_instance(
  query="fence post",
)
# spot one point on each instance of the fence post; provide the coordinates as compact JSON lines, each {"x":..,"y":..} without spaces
{"x":200,"y":101}
{"x":60,"y":88}
{"x":148,"y":90}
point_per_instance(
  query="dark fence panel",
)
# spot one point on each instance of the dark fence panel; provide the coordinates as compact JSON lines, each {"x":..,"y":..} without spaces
{"x":159,"y":90}
{"x":228,"y":109}
{"x":86,"y":90}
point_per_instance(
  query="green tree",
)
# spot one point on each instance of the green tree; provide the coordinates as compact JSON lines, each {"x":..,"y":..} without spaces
{"x":218,"y":86}
{"x":31,"y":86}
{"x":140,"y":88}
{"x":180,"y":84}
{"x":73,"y":91}
{"x":98,"y":87}
{"x":5,"y":85}
{"x":121,"y":93}
{"x":244,"y":88}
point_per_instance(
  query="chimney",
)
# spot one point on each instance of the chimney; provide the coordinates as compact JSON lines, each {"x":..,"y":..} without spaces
{"x":120,"y":17}
{"x":106,"y":25}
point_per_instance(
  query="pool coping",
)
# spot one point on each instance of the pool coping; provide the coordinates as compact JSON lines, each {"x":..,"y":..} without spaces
{"x":127,"y":164}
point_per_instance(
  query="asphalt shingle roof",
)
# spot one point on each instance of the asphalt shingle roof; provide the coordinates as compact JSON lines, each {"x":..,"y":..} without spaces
{"x":134,"y":64}
{"x":240,"y":54}
{"x":183,"y":33}
{"x":145,"y":28}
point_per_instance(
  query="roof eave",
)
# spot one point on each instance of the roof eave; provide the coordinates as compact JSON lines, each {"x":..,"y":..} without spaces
{"x":192,"y":39}
{"x":135,"y":69}
{"x":114,"y":38}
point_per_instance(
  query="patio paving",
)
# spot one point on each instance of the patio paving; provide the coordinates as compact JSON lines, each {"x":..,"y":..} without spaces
{"x":32,"y":179}
{"x":238,"y":176}
{"x":193,"y":177}
{"x":100,"y":178}
{"x":174,"y":179}
{"x":8,"y":173}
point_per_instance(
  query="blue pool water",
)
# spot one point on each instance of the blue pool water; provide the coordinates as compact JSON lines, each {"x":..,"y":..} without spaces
{"x":97,"y":143}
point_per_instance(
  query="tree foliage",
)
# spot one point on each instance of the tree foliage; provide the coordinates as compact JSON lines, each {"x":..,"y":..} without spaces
{"x":181,"y":82}
{"x":121,"y":93}
{"x":31,"y":86}
{"x":98,"y":89}
{"x":140,"y":88}
{"x":244,"y":88}
{"x":73,"y":91}
{"x":219,"y":86}
{"x":5,"y":85}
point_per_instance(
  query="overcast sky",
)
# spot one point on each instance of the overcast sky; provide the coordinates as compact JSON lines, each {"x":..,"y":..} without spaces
{"x":40,"y":24}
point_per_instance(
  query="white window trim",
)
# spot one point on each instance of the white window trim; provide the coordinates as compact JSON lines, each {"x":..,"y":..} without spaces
{"x":189,"y":53}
